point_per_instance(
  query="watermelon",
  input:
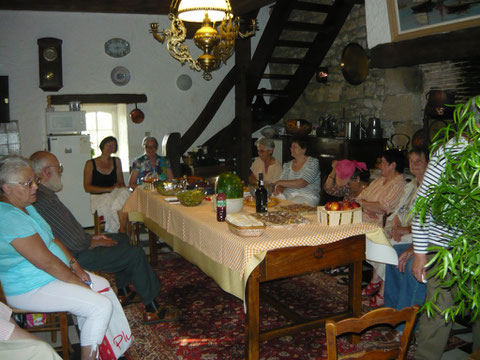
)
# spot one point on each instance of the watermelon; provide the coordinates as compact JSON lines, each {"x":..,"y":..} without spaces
{"x":230,"y":184}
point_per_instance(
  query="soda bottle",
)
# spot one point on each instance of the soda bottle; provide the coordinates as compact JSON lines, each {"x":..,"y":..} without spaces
{"x":221,"y":207}
{"x":261,"y":197}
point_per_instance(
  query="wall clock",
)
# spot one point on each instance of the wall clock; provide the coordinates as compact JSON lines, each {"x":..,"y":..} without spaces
{"x":50,"y":64}
{"x":117,"y":47}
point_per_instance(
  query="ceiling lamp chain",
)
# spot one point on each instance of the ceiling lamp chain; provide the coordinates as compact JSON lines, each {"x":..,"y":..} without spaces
{"x":217,"y":46}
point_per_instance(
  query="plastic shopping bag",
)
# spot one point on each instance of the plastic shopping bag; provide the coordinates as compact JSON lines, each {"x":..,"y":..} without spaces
{"x":118,"y":337}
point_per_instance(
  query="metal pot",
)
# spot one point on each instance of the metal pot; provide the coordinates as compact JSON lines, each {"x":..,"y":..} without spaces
{"x":137,"y":115}
{"x":436,"y":104}
{"x":374,"y":129}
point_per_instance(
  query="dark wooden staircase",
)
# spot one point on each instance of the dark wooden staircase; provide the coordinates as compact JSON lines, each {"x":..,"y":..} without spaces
{"x":288,"y":54}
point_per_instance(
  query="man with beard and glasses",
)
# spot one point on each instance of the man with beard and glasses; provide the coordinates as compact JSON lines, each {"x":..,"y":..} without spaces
{"x":108,"y":252}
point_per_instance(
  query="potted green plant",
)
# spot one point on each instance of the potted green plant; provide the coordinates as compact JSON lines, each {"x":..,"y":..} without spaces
{"x":455,"y":201}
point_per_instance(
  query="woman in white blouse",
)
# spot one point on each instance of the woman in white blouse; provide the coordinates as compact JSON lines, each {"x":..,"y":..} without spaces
{"x":300,"y":180}
{"x":265,"y":163}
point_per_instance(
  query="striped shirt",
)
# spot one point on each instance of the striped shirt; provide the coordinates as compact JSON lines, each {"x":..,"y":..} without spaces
{"x":310,"y":172}
{"x":64,"y":225}
{"x":387,"y":194}
{"x":432,"y":233}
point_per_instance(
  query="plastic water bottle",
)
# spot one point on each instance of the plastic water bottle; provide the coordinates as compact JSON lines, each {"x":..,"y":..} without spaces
{"x":221,"y":207}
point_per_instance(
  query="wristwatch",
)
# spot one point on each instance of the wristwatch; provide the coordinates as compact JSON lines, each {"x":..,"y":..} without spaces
{"x":72,"y":261}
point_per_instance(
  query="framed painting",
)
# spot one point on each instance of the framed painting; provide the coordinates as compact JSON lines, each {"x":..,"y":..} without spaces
{"x":410,"y":19}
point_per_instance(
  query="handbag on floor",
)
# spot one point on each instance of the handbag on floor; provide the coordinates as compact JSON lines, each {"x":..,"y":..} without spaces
{"x":118,"y":337}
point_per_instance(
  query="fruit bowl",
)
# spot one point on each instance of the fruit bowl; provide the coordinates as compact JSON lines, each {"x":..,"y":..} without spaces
{"x":298,"y":127}
{"x":339,"y":217}
{"x":190,"y":197}
{"x":166,"y":189}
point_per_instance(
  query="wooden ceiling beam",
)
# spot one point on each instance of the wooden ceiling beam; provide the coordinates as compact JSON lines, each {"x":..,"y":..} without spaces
{"x":149,"y":7}
{"x":451,"y":46}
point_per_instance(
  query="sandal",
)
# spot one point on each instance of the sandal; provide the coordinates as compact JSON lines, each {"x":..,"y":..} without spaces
{"x":340,"y":271}
{"x":375,"y":302}
{"x":371,"y":288}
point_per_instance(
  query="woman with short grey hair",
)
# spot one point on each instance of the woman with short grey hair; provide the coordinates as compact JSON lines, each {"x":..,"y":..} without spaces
{"x":265,"y":163}
{"x":150,"y":164}
{"x":37,"y":271}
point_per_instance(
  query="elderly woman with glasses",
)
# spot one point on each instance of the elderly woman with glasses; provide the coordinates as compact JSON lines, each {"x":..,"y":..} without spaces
{"x":150,"y":164}
{"x":36,"y":271}
{"x":103,"y":179}
{"x":265,"y":163}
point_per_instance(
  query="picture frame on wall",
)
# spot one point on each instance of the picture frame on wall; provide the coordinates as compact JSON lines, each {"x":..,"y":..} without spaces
{"x":410,"y":19}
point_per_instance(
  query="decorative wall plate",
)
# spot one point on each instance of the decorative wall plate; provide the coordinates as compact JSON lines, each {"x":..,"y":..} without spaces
{"x":120,"y":76}
{"x":117,"y":47}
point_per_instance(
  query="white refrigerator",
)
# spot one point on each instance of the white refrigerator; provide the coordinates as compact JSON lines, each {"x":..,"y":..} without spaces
{"x":72,"y":151}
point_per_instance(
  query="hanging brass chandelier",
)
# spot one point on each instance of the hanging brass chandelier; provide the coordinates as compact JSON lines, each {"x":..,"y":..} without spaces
{"x":217,"y":45}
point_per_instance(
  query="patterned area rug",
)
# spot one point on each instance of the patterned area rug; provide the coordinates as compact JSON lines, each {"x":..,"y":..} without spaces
{"x":212,"y":326}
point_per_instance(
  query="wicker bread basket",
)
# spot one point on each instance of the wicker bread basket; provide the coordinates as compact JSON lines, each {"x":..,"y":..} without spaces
{"x":246,"y":231}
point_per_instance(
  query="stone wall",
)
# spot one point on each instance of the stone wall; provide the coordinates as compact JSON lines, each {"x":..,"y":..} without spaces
{"x":393,"y":95}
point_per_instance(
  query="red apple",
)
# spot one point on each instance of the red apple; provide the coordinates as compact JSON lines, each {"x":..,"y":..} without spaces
{"x":327,"y":205}
{"x":355,"y":205}
{"x":335,"y":206}
{"x":347,"y":205}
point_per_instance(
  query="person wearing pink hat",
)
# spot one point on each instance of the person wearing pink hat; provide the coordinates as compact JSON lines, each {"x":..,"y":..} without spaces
{"x":347,"y":179}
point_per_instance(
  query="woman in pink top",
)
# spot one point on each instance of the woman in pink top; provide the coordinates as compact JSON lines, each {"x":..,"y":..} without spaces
{"x":381,"y":198}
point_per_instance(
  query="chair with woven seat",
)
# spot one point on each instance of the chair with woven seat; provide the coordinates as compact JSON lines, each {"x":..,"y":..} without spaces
{"x":371,"y":319}
{"x":55,"y":321}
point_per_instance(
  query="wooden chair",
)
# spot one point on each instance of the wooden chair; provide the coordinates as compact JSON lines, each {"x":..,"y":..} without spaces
{"x":376,"y":317}
{"x":98,"y":223}
{"x":56,"y":321}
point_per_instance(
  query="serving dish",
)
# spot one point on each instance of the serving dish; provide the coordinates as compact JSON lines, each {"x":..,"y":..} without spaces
{"x":250,"y":201}
{"x":246,"y":231}
{"x":298,"y":127}
{"x":245,"y":225}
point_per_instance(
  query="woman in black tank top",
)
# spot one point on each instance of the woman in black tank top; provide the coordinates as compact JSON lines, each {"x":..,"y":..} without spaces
{"x":103,"y":175}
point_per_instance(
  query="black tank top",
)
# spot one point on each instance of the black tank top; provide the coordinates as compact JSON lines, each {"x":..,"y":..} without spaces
{"x":99,"y":179}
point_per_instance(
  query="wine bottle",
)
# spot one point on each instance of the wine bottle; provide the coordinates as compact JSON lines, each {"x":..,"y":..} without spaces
{"x":261,"y":197}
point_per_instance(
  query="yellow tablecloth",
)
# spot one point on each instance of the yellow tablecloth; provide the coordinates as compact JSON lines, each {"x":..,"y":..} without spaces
{"x":198,"y":229}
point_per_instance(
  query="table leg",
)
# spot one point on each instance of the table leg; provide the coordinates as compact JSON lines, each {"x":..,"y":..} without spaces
{"x":355,"y":295}
{"x":355,"y":289}
{"x":152,"y":244}
{"x":252,"y":318}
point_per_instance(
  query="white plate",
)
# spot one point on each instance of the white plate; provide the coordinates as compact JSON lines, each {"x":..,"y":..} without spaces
{"x":120,"y":76}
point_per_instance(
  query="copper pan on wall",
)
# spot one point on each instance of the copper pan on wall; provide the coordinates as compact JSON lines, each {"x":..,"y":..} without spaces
{"x":354,"y":64}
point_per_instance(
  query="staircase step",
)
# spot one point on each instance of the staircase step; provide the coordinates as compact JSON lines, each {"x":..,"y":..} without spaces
{"x":271,"y":92}
{"x":278,"y":60}
{"x":302,"y":26}
{"x":293,"y":43}
{"x":302,"y":5}
{"x":278,"y":76}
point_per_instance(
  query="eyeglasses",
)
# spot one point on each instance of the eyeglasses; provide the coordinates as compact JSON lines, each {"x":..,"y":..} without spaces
{"x":60,"y":167}
{"x":28,"y":183}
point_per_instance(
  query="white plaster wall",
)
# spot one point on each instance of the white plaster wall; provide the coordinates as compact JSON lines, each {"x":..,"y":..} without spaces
{"x":378,"y":30}
{"x":86,"y":70}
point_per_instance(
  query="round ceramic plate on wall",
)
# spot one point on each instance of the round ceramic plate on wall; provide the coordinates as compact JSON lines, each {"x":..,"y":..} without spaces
{"x":120,"y":76}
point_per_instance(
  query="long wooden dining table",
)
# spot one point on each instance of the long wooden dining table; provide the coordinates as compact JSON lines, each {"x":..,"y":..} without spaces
{"x":240,"y":264}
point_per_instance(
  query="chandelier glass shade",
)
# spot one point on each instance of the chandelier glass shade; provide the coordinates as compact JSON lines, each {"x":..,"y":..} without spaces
{"x":217,"y":45}
{"x":194,"y":10}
